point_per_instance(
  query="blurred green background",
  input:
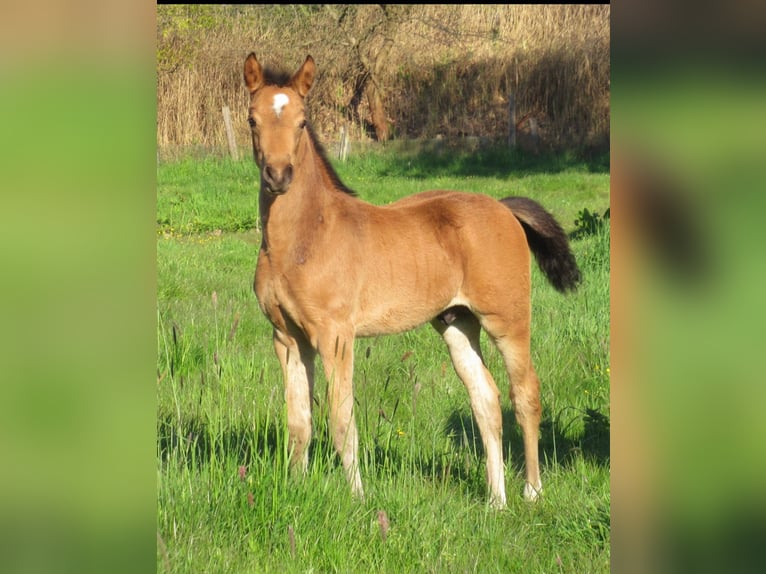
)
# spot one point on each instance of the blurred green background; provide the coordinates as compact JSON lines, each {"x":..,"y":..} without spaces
{"x":77,"y":410}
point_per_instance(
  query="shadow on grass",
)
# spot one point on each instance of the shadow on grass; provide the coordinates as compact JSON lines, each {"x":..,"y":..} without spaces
{"x":555,"y":447}
{"x":197,"y":443}
{"x":466,"y":464}
{"x":437,"y":159}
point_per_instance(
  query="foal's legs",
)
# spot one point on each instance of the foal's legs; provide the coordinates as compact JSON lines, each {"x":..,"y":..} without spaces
{"x":297,"y":359}
{"x":462,"y":336}
{"x":338,"y":360}
{"x":513,"y":343}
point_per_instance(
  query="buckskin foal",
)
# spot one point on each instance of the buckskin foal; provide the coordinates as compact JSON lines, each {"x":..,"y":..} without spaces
{"x":332,"y":267}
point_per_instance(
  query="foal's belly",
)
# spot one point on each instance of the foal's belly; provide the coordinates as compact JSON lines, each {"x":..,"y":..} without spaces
{"x":404,"y":312}
{"x":392,"y":323}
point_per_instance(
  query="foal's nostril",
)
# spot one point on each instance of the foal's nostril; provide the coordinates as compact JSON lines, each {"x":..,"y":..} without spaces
{"x":277,"y":179}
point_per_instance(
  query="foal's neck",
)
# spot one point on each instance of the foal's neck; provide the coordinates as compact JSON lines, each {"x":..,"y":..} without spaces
{"x":294,"y":213}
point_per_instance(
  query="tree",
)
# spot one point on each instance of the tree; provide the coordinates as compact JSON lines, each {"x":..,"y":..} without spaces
{"x":369,"y":31}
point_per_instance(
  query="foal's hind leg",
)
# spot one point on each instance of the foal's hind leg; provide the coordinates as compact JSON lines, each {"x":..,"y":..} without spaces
{"x":513,"y":343}
{"x":461,"y":331}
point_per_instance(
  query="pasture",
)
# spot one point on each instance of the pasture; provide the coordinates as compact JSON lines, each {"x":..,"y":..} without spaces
{"x":226,"y":500}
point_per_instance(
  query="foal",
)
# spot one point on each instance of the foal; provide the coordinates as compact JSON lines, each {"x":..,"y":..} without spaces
{"x":332,"y":267}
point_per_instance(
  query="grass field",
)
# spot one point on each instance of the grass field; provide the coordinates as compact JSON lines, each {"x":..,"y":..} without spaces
{"x":226,"y":501}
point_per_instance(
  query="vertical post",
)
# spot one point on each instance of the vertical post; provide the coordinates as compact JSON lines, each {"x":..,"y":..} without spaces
{"x":511,"y":121}
{"x":230,"y":133}
{"x":343,"y":148}
{"x":346,"y":144}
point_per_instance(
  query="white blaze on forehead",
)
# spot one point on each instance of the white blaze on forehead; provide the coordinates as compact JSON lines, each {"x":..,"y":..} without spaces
{"x":280,"y":101}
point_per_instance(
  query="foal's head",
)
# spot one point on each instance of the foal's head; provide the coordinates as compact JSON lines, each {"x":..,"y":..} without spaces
{"x":277,"y":120}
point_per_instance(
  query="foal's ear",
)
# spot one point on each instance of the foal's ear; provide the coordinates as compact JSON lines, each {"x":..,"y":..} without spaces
{"x":304,"y":78}
{"x":253,"y":73}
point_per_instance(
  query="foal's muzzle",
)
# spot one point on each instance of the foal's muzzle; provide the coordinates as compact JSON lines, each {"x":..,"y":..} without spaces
{"x":276,"y":180}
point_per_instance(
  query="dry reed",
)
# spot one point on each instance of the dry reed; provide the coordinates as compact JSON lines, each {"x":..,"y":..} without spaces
{"x":449,"y":70}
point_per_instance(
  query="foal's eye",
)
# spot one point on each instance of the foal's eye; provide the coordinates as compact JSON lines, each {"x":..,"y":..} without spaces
{"x":302,"y":125}
{"x":251,"y":121}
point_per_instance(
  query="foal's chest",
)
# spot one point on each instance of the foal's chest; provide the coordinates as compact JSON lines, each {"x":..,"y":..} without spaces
{"x":266,"y":287}
{"x":274,"y":289}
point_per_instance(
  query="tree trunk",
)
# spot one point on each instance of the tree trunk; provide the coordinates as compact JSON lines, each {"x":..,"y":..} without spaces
{"x":370,"y":30}
{"x":377,"y":112}
{"x":393,"y":17}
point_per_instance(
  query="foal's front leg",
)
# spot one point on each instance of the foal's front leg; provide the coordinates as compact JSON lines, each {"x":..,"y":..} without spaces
{"x":297,"y":359}
{"x":338,"y":360}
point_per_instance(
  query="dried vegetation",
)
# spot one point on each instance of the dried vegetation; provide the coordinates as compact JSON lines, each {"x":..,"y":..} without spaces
{"x":393,"y":71}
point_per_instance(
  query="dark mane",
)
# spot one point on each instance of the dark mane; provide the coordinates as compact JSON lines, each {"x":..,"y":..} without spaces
{"x":276,"y":77}
{"x":322,"y":153}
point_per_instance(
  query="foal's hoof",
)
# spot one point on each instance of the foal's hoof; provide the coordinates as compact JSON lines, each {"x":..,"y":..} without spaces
{"x":497,"y":502}
{"x":531,"y":493}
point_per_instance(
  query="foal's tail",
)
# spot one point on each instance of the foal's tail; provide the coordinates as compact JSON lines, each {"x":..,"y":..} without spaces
{"x":547,"y":241}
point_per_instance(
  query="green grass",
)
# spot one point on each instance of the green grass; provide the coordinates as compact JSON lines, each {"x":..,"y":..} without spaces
{"x":227,"y":502}
{"x":197,"y":196}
